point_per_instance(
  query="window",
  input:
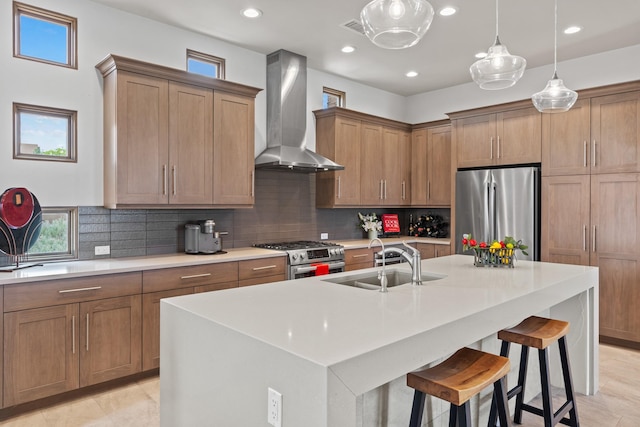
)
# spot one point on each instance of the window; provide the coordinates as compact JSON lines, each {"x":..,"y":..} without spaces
{"x":44,"y":133}
{"x":44,"y":36}
{"x":58,"y":235}
{"x":333,"y":98}
{"x":207,"y":65}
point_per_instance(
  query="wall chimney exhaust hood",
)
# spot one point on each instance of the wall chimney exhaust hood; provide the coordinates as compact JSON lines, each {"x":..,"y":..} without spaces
{"x":287,"y":117}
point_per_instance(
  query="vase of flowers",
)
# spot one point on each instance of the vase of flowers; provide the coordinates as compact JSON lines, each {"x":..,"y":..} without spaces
{"x":370,"y":224}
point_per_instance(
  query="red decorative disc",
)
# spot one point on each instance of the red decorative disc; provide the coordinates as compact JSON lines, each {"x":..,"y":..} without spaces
{"x":16,"y":207}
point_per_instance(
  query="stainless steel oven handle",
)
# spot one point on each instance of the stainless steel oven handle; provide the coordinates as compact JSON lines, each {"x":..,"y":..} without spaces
{"x":310,"y":268}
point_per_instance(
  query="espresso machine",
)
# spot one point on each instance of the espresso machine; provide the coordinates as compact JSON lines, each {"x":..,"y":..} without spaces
{"x":201,"y":238}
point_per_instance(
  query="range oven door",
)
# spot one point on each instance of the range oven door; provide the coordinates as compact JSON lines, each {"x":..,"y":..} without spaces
{"x":308,"y":270}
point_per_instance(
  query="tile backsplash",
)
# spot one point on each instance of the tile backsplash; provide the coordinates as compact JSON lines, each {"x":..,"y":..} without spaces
{"x":284,"y":210}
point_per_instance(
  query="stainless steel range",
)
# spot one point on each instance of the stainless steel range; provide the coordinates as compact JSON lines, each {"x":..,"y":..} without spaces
{"x":309,"y":258}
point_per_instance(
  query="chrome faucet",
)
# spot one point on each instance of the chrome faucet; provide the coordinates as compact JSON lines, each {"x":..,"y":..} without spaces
{"x":413,"y":258}
{"x":382,"y":274}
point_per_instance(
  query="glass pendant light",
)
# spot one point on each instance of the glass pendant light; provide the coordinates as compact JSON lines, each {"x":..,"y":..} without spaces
{"x":555,"y":97}
{"x":499,"y":69}
{"x":396,"y":24}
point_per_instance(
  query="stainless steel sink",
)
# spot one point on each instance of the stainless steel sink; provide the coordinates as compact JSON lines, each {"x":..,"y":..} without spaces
{"x":370,"y":280}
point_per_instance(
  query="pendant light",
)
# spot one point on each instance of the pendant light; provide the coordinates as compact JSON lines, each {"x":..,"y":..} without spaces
{"x":396,"y":24}
{"x":555,"y":97}
{"x":499,"y":69}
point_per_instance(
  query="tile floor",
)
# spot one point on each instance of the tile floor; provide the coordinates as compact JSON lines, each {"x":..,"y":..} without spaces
{"x":616,"y":405}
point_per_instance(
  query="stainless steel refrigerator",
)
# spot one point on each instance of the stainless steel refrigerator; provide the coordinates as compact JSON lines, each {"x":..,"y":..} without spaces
{"x":494,"y":203}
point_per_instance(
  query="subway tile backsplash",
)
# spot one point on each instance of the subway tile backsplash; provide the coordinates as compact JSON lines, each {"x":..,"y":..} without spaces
{"x":284,"y":210}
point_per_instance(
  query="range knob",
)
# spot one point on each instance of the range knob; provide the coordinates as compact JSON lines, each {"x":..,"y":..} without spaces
{"x":294,"y":256}
{"x":332,"y":252}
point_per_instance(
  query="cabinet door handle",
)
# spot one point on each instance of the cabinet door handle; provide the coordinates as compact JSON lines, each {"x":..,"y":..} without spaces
{"x":498,"y":146}
{"x":360,"y":256}
{"x":584,"y":155}
{"x":193,"y":276}
{"x":87,"y":343}
{"x":164,"y":180}
{"x":266,"y":267}
{"x":73,"y":334}
{"x":175,"y":182}
{"x":339,"y":189}
{"x":491,"y":148}
{"x":428,"y":190}
{"x":594,"y":239}
{"x":385,"y":189}
{"x":66,"y":291}
{"x":593,"y":161}
{"x":253,"y":184}
{"x":584,"y":238}
{"x":403,"y":192}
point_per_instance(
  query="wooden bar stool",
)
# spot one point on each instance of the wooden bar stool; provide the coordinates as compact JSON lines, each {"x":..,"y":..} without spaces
{"x":457,"y":380}
{"x":538,"y":332}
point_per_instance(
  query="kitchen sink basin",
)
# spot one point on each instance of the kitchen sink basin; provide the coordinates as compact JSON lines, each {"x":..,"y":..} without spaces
{"x":371,"y":281}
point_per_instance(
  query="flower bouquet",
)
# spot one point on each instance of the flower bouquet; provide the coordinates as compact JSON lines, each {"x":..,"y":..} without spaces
{"x":496,"y":254}
{"x":370,"y":224}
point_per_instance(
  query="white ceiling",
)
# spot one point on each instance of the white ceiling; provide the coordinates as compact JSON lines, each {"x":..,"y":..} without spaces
{"x":442,"y":58}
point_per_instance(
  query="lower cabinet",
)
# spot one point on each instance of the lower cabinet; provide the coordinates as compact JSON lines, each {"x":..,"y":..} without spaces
{"x":432,"y":250}
{"x":55,"y":349}
{"x":259,"y":271}
{"x":356,"y":259}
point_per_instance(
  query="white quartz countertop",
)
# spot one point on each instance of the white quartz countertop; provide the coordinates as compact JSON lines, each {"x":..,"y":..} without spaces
{"x":329,"y":324}
{"x":69,"y":269}
{"x":363,"y":243}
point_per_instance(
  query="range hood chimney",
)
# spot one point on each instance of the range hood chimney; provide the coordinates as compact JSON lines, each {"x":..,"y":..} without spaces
{"x":287,"y":117}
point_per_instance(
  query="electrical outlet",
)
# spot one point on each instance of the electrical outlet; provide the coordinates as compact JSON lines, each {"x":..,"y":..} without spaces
{"x":274,"y":410}
{"x":103,"y":250}
{"x":324,"y":236}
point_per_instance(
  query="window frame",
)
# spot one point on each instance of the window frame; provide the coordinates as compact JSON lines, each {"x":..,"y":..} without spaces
{"x":72,"y":236}
{"x":342,"y":96}
{"x":204,"y":57}
{"x":72,"y":130}
{"x":20,"y":9}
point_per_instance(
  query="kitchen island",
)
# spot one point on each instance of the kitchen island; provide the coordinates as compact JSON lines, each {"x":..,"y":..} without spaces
{"x":338,"y":354}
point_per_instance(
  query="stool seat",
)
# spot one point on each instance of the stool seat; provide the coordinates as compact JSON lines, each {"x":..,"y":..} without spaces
{"x":536,"y":332}
{"x":461,"y":376}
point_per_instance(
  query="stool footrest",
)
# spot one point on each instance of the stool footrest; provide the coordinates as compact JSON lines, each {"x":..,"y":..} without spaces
{"x":558,"y":416}
{"x":514,"y":391}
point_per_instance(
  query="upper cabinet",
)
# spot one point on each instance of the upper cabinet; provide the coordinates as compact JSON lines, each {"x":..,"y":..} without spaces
{"x":375,"y":153}
{"x":501,"y":138}
{"x":175,"y":138}
{"x":615,"y":133}
{"x":566,"y":145}
{"x":431,"y":166}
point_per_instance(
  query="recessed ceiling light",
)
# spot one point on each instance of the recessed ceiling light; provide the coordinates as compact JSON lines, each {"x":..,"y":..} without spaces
{"x":251,"y":13}
{"x":448,"y":11}
{"x":411,"y":74}
{"x":348,"y":49}
{"x":480,"y":55}
{"x":572,"y":30}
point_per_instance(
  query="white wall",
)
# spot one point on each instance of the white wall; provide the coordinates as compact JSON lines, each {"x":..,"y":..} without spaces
{"x":615,"y":66}
{"x":103,"y":30}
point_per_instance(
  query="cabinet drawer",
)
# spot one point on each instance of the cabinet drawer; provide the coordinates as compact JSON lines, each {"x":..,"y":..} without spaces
{"x":184,"y":277}
{"x":358,"y":256}
{"x":261,"y":280}
{"x":66,"y":291}
{"x":263,"y":267}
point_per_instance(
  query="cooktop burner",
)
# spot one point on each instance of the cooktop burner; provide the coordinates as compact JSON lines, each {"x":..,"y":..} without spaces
{"x":302,"y":244}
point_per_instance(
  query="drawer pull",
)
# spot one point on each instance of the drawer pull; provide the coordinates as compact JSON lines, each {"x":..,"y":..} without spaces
{"x":266,"y":267}
{"x":361,"y":256}
{"x":193,"y":276}
{"x":66,"y":291}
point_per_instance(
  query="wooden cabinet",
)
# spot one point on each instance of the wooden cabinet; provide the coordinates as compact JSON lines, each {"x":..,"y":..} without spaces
{"x":63,"y":334}
{"x":173,"y":282}
{"x":565,"y":219}
{"x":165,"y":142}
{"x":375,"y":153}
{"x":615,"y":238}
{"x":615,"y":133}
{"x":566,"y":143}
{"x":234,"y":143}
{"x":431,"y":167}
{"x":356,"y":259}
{"x":339,"y":139}
{"x":263,"y":270}
{"x":433,"y":250}
{"x":504,"y":138}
